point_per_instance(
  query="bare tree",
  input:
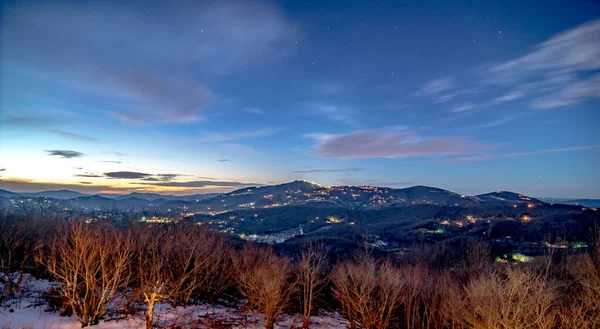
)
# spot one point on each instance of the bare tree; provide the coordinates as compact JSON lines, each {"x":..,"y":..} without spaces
{"x":152,"y":263}
{"x":264,"y":278}
{"x":368,"y":291}
{"x":583,"y":311}
{"x":15,"y":248}
{"x":520,"y":299}
{"x":90,"y":262}
{"x":312,"y":276}
{"x":196,"y":263}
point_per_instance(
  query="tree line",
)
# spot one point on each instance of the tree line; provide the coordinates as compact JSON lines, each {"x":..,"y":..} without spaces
{"x":99,"y":263}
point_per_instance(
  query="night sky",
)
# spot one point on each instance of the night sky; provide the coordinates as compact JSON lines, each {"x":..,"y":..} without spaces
{"x":205,"y":96}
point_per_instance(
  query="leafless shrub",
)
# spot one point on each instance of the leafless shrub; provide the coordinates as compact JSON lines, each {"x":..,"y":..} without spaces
{"x":197,"y":261}
{"x":264,"y":278}
{"x":368,"y":291}
{"x":311,"y":274}
{"x":151,"y":270}
{"x":520,"y":299}
{"x":583,"y":309}
{"x":15,"y":250}
{"x":90,"y":262}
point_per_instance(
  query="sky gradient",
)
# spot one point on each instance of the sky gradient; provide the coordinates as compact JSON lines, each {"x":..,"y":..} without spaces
{"x":209,"y":96}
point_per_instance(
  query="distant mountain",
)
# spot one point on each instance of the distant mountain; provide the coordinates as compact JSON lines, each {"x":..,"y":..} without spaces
{"x":591,"y":203}
{"x":293,"y":193}
{"x":60,"y":195}
{"x":7,"y":194}
{"x":156,"y":196}
{"x":504,"y":197}
{"x":354,"y":197}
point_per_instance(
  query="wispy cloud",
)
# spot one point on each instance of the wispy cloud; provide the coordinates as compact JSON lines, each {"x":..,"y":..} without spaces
{"x":253,"y":110}
{"x":135,"y":63}
{"x":66,"y":154}
{"x":463,"y":108}
{"x":559,"y":68}
{"x":329,"y":88}
{"x":202,"y":183}
{"x":69,"y":135}
{"x":571,"y":94}
{"x":498,"y":122}
{"x":508,"y":97}
{"x":485,"y":157}
{"x":237,"y":135}
{"x":126,"y":175}
{"x":339,"y":113}
{"x":88,"y":175}
{"x":559,"y":72}
{"x":382,"y":144}
{"x":223,"y":160}
{"x":162,"y":177}
{"x":436,"y":87}
{"x":45,"y":124}
{"x":310,"y":171}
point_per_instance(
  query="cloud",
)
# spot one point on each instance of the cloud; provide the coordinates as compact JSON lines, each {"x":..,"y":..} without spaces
{"x":309,"y":171}
{"x":485,"y":157}
{"x":253,"y":110}
{"x":330,"y":88}
{"x":66,"y":154}
{"x":87,"y":183}
{"x":126,"y":175}
{"x":436,"y":87}
{"x":88,"y":175}
{"x":110,"y":161}
{"x":498,"y":122}
{"x":575,"y":50}
{"x":380,"y":144}
{"x":161,"y":177}
{"x":339,"y":113}
{"x":2,"y":169}
{"x":238,"y":135}
{"x":25,"y":185}
{"x":201,"y":183}
{"x":140,"y":175}
{"x":511,"y":96}
{"x":46,"y":124}
{"x":223,"y":160}
{"x":558,"y":68}
{"x":462,"y":108}
{"x":238,"y":148}
{"x":134,"y":64}
{"x":69,"y":135}
{"x":570,"y":94}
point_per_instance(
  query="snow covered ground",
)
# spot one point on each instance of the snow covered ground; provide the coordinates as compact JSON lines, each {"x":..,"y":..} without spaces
{"x":29,"y":312}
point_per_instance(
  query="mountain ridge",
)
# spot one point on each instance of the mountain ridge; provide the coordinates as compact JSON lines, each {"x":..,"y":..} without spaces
{"x":298,"y":192}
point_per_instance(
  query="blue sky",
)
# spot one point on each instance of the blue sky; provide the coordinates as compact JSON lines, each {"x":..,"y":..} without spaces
{"x":204,"y":96}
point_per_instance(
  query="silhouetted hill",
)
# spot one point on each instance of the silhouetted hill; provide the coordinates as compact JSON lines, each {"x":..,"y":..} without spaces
{"x":60,"y":195}
{"x":7,"y":194}
{"x":591,"y":203}
{"x":293,"y":193}
{"x":504,"y":197}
